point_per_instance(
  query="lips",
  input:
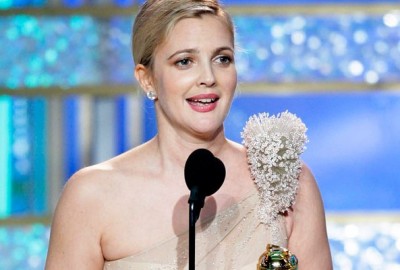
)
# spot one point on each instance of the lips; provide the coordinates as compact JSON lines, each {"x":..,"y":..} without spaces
{"x":203,"y":103}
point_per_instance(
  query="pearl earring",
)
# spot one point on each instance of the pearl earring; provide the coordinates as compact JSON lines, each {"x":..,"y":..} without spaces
{"x":151,"y":95}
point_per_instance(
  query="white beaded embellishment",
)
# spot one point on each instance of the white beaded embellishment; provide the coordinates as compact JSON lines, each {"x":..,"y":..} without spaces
{"x":274,"y":145}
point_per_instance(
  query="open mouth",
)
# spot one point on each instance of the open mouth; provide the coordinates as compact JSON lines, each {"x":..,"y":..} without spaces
{"x":202,"y":101}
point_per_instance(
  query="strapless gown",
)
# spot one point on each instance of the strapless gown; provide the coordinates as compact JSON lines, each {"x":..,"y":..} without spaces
{"x":233,"y":239}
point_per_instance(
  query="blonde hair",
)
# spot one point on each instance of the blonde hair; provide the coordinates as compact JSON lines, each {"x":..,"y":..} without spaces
{"x":156,"y":18}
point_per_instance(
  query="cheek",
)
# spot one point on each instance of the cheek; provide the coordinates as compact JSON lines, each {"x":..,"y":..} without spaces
{"x":168,"y":76}
{"x":174,"y":83}
{"x":231,"y":80}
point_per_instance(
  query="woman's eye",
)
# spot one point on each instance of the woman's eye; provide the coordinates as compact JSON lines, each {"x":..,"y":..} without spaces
{"x":224,"y":59}
{"x":183,"y":62}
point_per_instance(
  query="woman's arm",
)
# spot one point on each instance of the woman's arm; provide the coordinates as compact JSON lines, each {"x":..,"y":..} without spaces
{"x":76,"y":230}
{"x":308,"y":236}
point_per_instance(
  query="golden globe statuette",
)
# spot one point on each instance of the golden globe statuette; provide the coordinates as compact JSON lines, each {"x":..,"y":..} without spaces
{"x":274,"y":145}
{"x":277,"y":258}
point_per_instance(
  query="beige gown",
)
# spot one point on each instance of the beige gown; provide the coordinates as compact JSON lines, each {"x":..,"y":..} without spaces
{"x":233,"y":239}
{"x":236,"y":237}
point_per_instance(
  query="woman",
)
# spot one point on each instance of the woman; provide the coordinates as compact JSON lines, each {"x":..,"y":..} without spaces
{"x":131,"y":212}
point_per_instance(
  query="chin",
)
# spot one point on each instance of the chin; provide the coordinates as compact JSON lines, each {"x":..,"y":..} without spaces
{"x":208,"y":133}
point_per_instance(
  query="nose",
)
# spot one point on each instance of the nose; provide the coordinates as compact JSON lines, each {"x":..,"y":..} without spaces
{"x":207,"y":76}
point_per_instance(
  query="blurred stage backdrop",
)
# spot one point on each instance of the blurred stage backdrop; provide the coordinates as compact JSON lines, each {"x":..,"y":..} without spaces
{"x":68,"y":99}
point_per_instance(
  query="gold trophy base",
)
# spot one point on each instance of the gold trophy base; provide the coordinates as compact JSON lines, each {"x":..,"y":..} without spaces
{"x":277,"y":258}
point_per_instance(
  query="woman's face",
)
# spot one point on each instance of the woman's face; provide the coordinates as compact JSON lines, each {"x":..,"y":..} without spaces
{"x":194,"y":76}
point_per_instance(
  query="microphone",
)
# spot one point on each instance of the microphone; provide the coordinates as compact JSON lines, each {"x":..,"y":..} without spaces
{"x":204,"y":175}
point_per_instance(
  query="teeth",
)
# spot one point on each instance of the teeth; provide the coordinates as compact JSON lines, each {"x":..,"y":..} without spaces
{"x":206,"y":100}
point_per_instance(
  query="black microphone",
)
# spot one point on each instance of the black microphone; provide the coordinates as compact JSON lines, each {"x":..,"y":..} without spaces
{"x":204,"y":175}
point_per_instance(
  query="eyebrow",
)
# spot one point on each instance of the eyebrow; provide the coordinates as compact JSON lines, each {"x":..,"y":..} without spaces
{"x":183,"y":51}
{"x":217,"y":50}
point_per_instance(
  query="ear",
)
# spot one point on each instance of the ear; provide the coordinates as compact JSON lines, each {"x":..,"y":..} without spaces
{"x":143,"y":76}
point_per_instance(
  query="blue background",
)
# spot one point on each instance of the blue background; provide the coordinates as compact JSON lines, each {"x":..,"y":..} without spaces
{"x":354,"y":142}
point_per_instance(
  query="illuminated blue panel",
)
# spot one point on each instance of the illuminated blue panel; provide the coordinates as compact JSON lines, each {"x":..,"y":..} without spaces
{"x":73,"y":159}
{"x":81,"y":50}
{"x":119,"y":62}
{"x":356,"y":48}
{"x":149,"y":119}
{"x":48,"y":51}
{"x":5,"y":157}
{"x":105,"y":122}
{"x":27,"y":149}
{"x":23,"y":247}
{"x":38,"y":197}
{"x":122,"y":125}
{"x":354,"y":142}
{"x":4,"y":4}
{"x":297,"y":2}
{"x":74,"y":3}
{"x":22,"y":156}
{"x":124,"y":3}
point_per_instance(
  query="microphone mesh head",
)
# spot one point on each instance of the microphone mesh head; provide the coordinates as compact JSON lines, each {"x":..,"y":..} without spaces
{"x":204,"y":171}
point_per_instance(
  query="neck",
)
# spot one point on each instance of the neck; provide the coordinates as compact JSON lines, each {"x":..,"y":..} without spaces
{"x":174,"y":149}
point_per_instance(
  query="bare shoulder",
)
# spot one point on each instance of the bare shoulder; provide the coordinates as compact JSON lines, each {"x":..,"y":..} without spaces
{"x":77,"y":223}
{"x":96,"y":187}
{"x":87,"y":183}
{"x":308,"y":191}
{"x":308,"y":202}
{"x":88,"y":187}
{"x":83,"y":214}
{"x":238,"y":150}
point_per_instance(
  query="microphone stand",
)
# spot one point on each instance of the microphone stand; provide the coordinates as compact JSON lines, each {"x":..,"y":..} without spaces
{"x":192,"y":236}
{"x":196,"y":202}
{"x":204,"y":175}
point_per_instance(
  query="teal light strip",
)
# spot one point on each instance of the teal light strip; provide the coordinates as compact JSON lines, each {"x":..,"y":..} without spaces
{"x":39,"y":145}
{"x":5,"y":157}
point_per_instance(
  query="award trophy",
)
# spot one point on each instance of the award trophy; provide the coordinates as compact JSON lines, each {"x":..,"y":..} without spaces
{"x":274,"y":145}
{"x":277,"y":258}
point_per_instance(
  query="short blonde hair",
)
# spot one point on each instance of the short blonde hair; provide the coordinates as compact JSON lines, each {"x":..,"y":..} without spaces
{"x":156,"y":18}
